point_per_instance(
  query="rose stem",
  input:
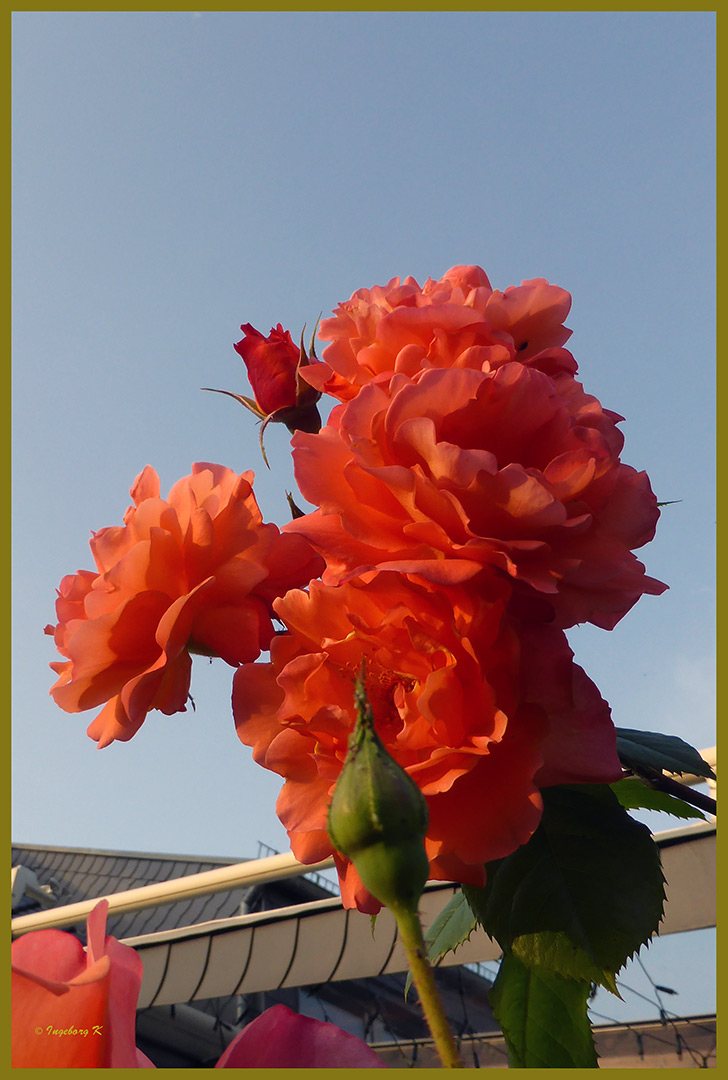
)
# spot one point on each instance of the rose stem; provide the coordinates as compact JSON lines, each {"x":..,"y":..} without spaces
{"x":410,"y":933}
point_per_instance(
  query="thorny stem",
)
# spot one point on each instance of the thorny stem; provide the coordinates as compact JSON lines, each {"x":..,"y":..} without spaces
{"x":410,"y":933}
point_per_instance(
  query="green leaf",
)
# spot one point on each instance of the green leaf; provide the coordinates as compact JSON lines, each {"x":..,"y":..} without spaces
{"x":582,"y":895}
{"x":650,"y":749}
{"x":634,"y":794}
{"x":454,"y":925}
{"x":451,"y":928}
{"x":543,"y":1017}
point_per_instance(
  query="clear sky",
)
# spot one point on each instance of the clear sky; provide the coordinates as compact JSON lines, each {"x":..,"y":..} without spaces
{"x":178,"y":174}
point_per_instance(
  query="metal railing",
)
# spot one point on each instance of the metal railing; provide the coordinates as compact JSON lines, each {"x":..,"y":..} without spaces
{"x":316,"y":878}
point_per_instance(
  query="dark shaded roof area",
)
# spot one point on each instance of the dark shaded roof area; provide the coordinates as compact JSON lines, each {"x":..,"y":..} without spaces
{"x":76,"y":874}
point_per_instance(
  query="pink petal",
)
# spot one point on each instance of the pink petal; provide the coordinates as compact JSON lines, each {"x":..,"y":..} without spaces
{"x":280,"y":1039}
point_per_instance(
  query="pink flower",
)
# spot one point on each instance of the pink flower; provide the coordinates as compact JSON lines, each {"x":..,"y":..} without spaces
{"x":281,"y":1039}
{"x":75,"y":1008}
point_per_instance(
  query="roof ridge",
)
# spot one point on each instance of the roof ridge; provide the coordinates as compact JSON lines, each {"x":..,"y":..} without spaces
{"x":220,"y":860}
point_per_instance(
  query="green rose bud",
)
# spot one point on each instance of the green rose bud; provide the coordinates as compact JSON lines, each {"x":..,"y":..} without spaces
{"x":378,"y":817}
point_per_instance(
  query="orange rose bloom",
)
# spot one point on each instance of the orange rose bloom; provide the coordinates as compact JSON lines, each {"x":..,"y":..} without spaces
{"x":196,"y":572}
{"x":459,"y":321}
{"x":74,"y":1008}
{"x":456,"y":472}
{"x":478,"y":715}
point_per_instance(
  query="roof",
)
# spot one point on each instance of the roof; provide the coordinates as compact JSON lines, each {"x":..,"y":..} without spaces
{"x":179,"y":1035}
{"x":292,"y":936}
{"x":75,"y":874}
{"x":312,"y":939}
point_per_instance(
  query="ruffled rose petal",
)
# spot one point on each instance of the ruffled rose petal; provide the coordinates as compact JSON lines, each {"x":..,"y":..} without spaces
{"x":478,"y":712}
{"x":198,"y":571}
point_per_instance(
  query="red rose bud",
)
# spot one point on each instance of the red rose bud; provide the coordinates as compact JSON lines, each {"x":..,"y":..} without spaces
{"x":378,"y":817}
{"x":273,"y":363}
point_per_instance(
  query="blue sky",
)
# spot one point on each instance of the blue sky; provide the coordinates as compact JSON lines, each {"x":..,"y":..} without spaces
{"x":177,"y":174}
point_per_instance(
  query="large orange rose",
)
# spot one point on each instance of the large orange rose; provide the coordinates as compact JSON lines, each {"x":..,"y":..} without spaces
{"x":195,"y":572}
{"x":457,"y":472}
{"x":459,"y":321}
{"x":477,"y":713}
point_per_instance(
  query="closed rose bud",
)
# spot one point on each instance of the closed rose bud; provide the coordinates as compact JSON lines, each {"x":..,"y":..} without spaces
{"x":378,"y":817}
{"x":273,"y":370}
{"x":271,"y":363}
